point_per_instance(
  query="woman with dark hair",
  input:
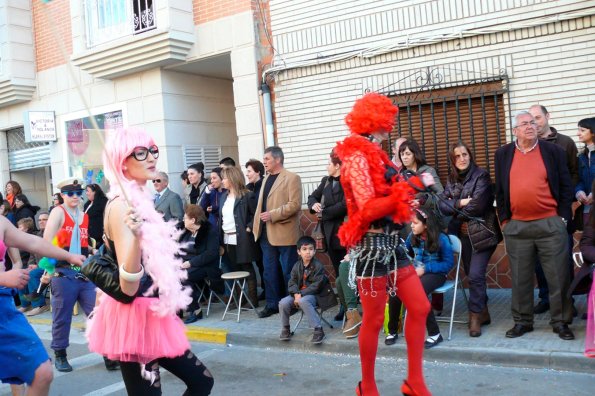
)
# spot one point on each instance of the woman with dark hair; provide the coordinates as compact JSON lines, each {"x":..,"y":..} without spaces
{"x":586,"y":165}
{"x":255,"y":175}
{"x":23,"y":208}
{"x":469,"y":195}
{"x":211,"y":199}
{"x":198,"y":184}
{"x":237,"y":217}
{"x":95,"y":208}
{"x":12,"y":190}
{"x":414,"y":164}
{"x":57,"y":200}
{"x":328,"y":203}
{"x":200,"y":252}
{"x":587,"y":246}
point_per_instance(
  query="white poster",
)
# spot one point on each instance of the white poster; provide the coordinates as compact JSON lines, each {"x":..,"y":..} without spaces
{"x":40,"y":126}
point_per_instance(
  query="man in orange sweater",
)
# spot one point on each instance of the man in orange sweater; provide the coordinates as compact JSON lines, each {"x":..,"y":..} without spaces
{"x":533,"y":195}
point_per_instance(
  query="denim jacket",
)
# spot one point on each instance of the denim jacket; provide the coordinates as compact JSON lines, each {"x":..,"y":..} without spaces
{"x":439,"y":262}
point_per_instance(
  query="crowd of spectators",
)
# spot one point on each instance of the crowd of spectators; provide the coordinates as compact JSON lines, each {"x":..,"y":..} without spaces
{"x":250,"y":222}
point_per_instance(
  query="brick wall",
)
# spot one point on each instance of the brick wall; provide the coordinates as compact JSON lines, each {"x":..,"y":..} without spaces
{"x":47,"y":51}
{"x":209,"y":10}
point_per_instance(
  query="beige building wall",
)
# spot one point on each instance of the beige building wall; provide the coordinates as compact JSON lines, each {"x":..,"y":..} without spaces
{"x":547,"y":62}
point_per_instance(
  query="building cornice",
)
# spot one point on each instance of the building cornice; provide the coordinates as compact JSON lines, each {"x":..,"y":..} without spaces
{"x":13,"y":91}
{"x":141,"y":52}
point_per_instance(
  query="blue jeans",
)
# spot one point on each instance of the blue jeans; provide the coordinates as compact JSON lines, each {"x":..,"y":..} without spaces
{"x":276,"y":258}
{"x":32,"y":286}
{"x":307,"y":304}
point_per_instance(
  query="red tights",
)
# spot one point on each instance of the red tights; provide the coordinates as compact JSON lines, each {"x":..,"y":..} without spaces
{"x":411,"y":293}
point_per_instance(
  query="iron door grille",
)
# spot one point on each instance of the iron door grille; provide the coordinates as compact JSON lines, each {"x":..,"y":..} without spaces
{"x":436,"y":120}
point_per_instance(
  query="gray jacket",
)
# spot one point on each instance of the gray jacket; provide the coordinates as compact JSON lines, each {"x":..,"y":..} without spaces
{"x":170,"y":204}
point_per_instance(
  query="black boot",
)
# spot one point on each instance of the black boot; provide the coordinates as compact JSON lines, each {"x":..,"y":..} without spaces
{"x":194,"y":316}
{"x":111,"y":365}
{"x":339,"y":316}
{"x":60,"y":362}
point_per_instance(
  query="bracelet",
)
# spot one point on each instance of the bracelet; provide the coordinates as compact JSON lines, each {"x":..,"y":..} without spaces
{"x":130,"y":277}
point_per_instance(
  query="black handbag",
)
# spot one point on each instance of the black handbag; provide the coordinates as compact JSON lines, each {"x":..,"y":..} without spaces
{"x":485,"y":235}
{"x":102,"y":270}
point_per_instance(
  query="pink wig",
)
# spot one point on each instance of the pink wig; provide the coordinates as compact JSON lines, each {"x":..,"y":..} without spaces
{"x":159,"y":259}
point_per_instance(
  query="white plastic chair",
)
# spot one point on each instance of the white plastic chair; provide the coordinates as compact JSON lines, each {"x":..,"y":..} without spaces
{"x":457,"y":248}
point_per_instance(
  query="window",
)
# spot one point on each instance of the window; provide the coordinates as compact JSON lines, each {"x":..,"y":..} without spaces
{"x":108,"y":20}
{"x":84,"y":147}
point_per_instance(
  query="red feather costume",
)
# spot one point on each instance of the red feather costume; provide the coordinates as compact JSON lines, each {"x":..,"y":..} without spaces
{"x":371,"y":197}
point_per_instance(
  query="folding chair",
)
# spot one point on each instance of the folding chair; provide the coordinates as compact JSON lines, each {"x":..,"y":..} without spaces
{"x":322,"y":319}
{"x":211,"y":295}
{"x":456,"y":247}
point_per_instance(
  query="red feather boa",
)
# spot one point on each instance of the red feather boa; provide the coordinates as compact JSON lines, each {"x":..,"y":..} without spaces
{"x":391,"y":199}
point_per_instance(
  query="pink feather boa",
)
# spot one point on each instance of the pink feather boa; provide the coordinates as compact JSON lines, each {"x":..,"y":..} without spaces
{"x":159,"y":243}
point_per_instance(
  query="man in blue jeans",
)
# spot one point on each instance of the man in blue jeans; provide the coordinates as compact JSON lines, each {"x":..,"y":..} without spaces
{"x":276,"y":226}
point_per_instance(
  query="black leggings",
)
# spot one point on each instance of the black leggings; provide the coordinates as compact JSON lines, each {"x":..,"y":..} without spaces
{"x":187,"y":367}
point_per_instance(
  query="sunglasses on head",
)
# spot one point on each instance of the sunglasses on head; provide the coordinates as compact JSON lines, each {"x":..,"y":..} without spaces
{"x":141,"y":153}
{"x":157,"y":181}
{"x":78,"y":193}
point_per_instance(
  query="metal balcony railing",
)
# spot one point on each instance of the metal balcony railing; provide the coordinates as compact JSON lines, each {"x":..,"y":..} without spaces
{"x":108,"y":20}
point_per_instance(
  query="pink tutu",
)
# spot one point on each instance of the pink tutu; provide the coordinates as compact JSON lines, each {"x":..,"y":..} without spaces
{"x":590,"y":336}
{"x":134,"y":332}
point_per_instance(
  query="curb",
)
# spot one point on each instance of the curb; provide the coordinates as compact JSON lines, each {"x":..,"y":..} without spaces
{"x":554,"y":360}
{"x":194,"y":333}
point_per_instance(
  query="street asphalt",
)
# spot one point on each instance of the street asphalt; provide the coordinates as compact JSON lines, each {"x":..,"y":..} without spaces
{"x":539,"y":349}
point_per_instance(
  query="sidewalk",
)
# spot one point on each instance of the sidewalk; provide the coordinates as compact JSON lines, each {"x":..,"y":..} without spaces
{"x":539,"y":349}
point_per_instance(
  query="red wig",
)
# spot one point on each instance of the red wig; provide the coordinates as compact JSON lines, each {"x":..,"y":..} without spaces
{"x":372,"y":113}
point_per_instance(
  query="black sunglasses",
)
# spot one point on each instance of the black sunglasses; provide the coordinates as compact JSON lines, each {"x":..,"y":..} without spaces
{"x":141,"y":153}
{"x":78,"y":193}
{"x":157,"y":181}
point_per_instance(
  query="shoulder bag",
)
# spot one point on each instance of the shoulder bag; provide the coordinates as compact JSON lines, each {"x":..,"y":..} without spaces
{"x":102,"y":270}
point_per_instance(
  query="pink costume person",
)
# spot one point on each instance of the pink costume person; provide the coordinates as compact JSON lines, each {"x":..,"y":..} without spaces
{"x":146,"y":333}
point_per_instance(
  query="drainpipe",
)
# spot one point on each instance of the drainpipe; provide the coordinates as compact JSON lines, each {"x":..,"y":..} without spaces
{"x":268,"y":114}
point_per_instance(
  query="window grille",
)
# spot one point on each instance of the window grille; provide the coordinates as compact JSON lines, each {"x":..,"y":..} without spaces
{"x":108,"y":20}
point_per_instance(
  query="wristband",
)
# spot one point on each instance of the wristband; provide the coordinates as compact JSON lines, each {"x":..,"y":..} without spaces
{"x":131,"y":277}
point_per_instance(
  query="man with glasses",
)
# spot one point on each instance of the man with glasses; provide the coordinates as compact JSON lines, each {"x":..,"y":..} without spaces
{"x":167,"y":202}
{"x":70,"y":225}
{"x":550,"y":134}
{"x":533,"y":195}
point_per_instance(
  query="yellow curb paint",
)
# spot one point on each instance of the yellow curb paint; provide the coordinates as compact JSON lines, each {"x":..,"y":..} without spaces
{"x":206,"y":334}
{"x":76,"y":325}
{"x":194,"y":333}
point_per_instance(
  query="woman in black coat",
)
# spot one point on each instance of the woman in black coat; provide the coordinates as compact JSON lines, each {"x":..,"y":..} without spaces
{"x":469,"y":194}
{"x":200,"y":252}
{"x":94,"y":208}
{"x":236,"y":215}
{"x":255,"y":175}
{"x":23,"y":208}
{"x":328,"y":202}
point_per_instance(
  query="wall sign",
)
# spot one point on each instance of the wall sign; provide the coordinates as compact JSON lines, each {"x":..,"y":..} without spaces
{"x":40,"y":126}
